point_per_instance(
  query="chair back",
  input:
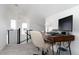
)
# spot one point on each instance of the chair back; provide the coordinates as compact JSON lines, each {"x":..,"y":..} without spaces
{"x":37,"y":39}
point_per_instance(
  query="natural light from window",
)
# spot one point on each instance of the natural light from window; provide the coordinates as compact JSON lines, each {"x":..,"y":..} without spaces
{"x":13,"y":24}
{"x":24,"y":28}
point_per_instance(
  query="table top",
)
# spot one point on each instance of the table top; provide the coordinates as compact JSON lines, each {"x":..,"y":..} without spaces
{"x":60,"y":38}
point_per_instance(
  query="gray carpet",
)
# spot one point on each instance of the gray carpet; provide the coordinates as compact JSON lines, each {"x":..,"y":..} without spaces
{"x":19,"y":49}
{"x":23,"y":49}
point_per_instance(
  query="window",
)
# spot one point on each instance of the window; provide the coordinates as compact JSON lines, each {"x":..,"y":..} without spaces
{"x":24,"y":28}
{"x":13,"y":24}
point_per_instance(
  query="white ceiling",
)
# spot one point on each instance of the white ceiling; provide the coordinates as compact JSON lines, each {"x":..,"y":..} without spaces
{"x":40,"y":9}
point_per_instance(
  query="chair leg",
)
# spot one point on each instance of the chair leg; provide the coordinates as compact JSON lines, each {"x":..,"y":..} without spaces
{"x":38,"y":48}
{"x":47,"y":50}
{"x":43,"y":52}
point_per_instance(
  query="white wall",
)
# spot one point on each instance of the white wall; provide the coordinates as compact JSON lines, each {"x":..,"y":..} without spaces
{"x":52,"y":23}
{"x":35,"y":21}
{"x":3,"y":26}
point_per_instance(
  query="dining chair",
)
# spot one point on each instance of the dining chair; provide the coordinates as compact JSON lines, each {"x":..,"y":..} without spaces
{"x":39,"y":42}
